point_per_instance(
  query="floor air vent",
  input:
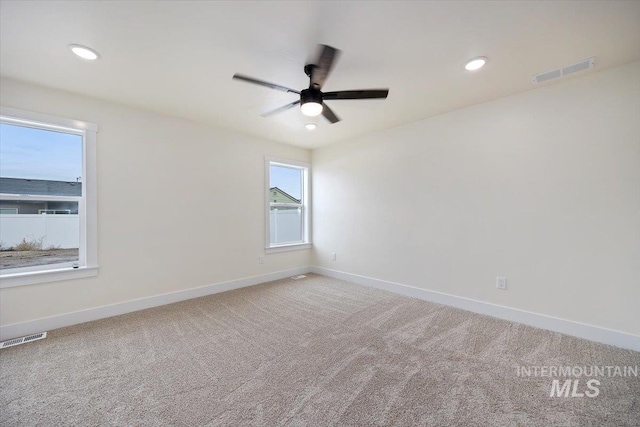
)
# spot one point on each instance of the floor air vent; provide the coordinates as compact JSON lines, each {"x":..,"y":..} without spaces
{"x":28,"y":338}
{"x":565,"y":71}
{"x":302,"y":276}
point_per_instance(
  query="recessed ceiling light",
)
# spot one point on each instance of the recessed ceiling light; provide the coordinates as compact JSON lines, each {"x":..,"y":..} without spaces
{"x":84,"y":52}
{"x":311,"y":126}
{"x":475,"y":63}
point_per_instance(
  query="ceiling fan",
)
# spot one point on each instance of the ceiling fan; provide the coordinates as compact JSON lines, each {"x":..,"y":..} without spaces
{"x":312,"y":99}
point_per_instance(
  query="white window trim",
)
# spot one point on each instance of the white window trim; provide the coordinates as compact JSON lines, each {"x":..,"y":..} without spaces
{"x":306,"y":205}
{"x":287,"y":248}
{"x":88,"y":220}
{"x":47,"y":276}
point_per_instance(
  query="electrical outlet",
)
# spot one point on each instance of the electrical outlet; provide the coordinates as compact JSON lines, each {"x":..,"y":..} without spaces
{"x":501,"y":283}
{"x":260,"y":259}
{"x":333,"y":256}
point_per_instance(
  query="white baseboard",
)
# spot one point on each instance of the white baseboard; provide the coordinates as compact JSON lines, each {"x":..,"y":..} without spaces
{"x":15,"y":330}
{"x":568,"y":327}
{"x":563,"y":326}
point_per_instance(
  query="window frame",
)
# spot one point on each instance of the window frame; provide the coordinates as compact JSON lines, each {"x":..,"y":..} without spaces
{"x":304,"y":205}
{"x":87,"y":264}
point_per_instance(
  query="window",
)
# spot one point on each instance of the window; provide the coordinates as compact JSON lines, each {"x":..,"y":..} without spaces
{"x":8,"y":211}
{"x":47,"y":198}
{"x":287,"y":210}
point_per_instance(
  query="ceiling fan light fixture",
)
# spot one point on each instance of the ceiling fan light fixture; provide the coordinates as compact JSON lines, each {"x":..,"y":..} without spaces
{"x":311,"y":109}
{"x":312,"y":99}
{"x":311,"y":102}
{"x":311,"y":126}
{"x":84,"y":52}
{"x":475,"y":63}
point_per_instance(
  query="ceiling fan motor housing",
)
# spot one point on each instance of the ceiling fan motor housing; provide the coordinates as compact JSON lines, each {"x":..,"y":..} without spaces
{"x":310,"y":95}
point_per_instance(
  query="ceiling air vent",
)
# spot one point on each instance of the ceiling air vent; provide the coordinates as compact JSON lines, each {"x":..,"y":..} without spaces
{"x":18,"y":341}
{"x":565,"y":71}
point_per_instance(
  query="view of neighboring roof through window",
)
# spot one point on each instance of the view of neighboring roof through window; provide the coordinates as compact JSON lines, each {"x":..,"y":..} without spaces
{"x":40,"y":197}
{"x":287,"y":180}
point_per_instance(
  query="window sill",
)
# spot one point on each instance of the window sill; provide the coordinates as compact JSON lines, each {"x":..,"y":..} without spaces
{"x":46,"y":276}
{"x":287,"y":248}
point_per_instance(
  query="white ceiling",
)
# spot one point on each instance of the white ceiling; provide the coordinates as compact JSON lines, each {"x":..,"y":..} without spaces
{"x":177,"y":57}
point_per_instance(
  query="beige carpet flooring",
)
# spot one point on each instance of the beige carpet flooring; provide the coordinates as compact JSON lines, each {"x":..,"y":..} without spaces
{"x":314,"y":352}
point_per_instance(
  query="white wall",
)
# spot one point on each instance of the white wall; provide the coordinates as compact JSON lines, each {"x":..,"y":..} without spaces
{"x":542,"y":187}
{"x":168,"y":198}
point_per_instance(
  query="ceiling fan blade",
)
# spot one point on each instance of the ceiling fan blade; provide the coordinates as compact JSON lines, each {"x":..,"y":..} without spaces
{"x":357,"y":94}
{"x":278,"y":110}
{"x":263,"y":83}
{"x":323,"y":65}
{"x":329,"y":114}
